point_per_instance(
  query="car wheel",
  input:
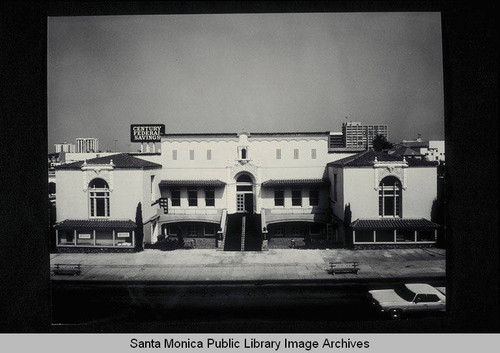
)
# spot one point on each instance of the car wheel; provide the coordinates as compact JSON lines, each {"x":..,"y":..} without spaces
{"x":395,"y":313}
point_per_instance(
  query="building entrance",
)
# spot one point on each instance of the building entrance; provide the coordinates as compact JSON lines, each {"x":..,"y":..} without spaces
{"x":244,"y":194}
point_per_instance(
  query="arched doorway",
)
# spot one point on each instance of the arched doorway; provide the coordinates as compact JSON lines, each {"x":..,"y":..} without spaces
{"x":244,"y":193}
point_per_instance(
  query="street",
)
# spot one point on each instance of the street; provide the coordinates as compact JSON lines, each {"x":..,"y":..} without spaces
{"x":87,"y":303}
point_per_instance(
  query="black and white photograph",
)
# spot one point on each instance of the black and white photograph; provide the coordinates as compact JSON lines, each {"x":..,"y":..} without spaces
{"x":268,"y":166}
{"x":236,"y":169}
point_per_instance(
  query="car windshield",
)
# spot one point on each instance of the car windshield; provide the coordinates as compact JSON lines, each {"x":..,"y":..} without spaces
{"x":405,"y":293}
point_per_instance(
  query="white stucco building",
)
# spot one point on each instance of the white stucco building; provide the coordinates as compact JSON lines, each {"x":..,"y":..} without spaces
{"x":98,"y":200}
{"x":390,"y":198}
{"x":244,"y":191}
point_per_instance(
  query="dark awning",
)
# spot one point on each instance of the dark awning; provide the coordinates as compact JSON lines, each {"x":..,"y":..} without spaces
{"x":70,"y":224}
{"x":284,"y":182}
{"x":393,"y":223}
{"x":192,"y":183}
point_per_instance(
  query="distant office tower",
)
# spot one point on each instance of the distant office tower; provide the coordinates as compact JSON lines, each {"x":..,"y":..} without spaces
{"x":87,"y":145}
{"x":359,"y":135}
{"x":65,"y":147}
{"x":336,"y":140}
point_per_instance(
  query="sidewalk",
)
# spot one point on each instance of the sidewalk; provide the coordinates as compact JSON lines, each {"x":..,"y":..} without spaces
{"x":201,"y":265}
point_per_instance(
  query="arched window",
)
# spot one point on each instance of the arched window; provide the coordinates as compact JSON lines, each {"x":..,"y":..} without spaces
{"x":244,"y":178}
{"x":99,"y":198}
{"x":389,"y":197}
{"x":243,"y":153}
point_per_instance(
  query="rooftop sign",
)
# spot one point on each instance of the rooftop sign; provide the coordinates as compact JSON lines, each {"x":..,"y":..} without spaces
{"x":146,"y":132}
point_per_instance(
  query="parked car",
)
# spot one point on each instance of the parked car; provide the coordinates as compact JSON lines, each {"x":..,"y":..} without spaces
{"x":414,"y":297}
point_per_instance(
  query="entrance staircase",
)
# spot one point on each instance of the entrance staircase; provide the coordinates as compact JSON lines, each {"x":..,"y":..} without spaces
{"x":232,"y":241}
{"x":253,"y":234}
{"x":243,"y":232}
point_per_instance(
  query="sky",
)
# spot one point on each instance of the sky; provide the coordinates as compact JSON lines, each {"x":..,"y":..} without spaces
{"x":289,"y":72}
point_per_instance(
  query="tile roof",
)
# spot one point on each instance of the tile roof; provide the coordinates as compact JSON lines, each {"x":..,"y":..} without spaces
{"x":120,"y":161}
{"x":214,"y":182}
{"x":278,"y":182}
{"x":367,"y":158}
{"x":95,"y":224}
{"x":271,"y":217}
{"x":251,"y":134}
{"x":173,"y":217}
{"x":415,"y":144}
{"x":393,"y":223}
{"x":404,"y":151}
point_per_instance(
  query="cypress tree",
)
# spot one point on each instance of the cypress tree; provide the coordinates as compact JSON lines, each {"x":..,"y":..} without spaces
{"x":139,"y":230}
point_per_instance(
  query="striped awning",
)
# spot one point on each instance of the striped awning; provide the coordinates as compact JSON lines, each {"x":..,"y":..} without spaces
{"x":69,"y":224}
{"x":393,"y":223}
{"x":213,"y":182}
{"x":284,"y":182}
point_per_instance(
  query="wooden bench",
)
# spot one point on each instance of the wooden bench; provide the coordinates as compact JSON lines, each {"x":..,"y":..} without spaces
{"x":67,"y":269}
{"x":343,"y":267}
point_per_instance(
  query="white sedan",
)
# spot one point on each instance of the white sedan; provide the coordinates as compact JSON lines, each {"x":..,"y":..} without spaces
{"x":413,"y":297}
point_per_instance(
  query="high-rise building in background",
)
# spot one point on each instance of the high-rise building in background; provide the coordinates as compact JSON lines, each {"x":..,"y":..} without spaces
{"x":336,"y":140}
{"x":87,"y":145}
{"x":359,"y":135}
{"x":65,"y":147}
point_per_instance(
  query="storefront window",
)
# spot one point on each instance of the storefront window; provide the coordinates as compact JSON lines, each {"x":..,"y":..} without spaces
{"x":425,"y":235}
{"x":193,"y":230}
{"x":123,"y":238}
{"x":66,"y":237}
{"x":405,"y":235}
{"x":363,"y":236}
{"x":209,"y":229}
{"x":104,"y":238}
{"x":85,"y":238}
{"x":384,"y":236}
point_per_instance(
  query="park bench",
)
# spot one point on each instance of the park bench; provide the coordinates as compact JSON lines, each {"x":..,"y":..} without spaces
{"x":343,"y":267}
{"x":67,"y":269}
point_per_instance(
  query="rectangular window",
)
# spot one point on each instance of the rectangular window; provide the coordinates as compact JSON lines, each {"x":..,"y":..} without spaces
{"x":176,"y":197}
{"x":278,"y":153}
{"x":313,"y":197}
{"x":296,"y":153}
{"x":172,"y":229}
{"x":296,"y":197}
{"x":297,"y":230}
{"x":193,"y":197}
{"x":209,"y":229}
{"x":152,"y":183}
{"x":209,"y":197}
{"x":278,"y":230}
{"x":384,"y":236}
{"x":209,"y":155}
{"x":191,"y":154}
{"x":334,"y":187}
{"x":363,"y":236}
{"x":99,"y":204}
{"x":192,"y":230}
{"x":313,"y":153}
{"x":279,"y":198}
{"x":174,"y":155}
